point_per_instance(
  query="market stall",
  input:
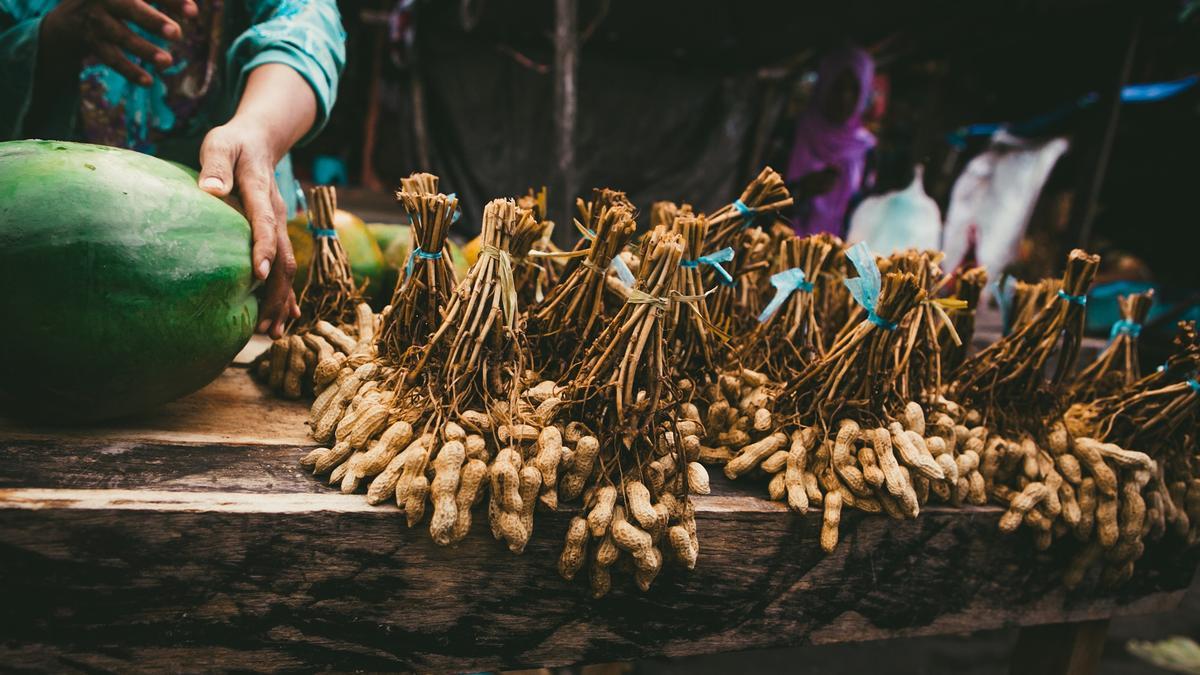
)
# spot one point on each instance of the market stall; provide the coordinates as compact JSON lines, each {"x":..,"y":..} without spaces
{"x":187,"y":538}
{"x":608,"y":386}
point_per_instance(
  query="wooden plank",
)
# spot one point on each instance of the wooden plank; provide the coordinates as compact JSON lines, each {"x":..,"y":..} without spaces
{"x":171,"y":465}
{"x":150,"y":579}
{"x":141,"y":464}
{"x":1059,"y":649}
{"x":232,"y":410}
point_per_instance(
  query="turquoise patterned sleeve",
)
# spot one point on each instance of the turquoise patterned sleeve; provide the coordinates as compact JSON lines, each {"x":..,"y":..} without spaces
{"x":304,"y":34}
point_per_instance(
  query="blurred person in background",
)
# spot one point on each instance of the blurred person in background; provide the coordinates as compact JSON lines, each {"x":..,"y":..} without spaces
{"x":829,"y":155}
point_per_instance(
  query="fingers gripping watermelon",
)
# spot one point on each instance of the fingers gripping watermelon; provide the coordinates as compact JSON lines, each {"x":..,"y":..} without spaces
{"x":122,"y":284}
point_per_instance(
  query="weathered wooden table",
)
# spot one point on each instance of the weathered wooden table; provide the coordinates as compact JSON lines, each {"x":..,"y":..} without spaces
{"x":191,"y":539}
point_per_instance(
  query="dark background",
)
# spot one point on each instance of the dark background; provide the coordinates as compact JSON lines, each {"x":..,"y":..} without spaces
{"x":687,"y":100}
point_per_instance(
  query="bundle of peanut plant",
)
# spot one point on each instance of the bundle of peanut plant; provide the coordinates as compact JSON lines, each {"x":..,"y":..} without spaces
{"x":1058,"y":481}
{"x":663,"y":213}
{"x":968,"y":287}
{"x":854,"y":373}
{"x":428,"y":276}
{"x":1160,"y":408}
{"x":744,"y":226}
{"x":1118,"y":365}
{"x":574,"y":312}
{"x":1029,"y":298}
{"x":539,"y":270}
{"x":830,"y":440}
{"x":1159,"y":414}
{"x":1007,"y":379}
{"x":533,"y":274}
{"x":333,"y":317}
{"x":307,"y":361}
{"x":428,"y":440}
{"x":759,"y":203}
{"x":832,"y":302}
{"x":635,"y":490}
{"x":738,"y":292}
{"x":329,"y":292}
{"x":696,"y":346}
{"x":919,"y":360}
{"x":788,"y":337}
{"x":591,"y":212}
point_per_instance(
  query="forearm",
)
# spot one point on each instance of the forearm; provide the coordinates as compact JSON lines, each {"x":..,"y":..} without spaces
{"x":278,"y":102}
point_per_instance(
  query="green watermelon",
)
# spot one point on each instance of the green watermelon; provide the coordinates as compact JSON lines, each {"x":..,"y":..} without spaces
{"x":123,"y":284}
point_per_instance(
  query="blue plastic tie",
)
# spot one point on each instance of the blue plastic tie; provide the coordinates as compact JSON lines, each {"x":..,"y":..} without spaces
{"x":418,"y":253}
{"x":785,"y":283}
{"x":714,"y":260}
{"x":865,"y":287}
{"x":1126,"y":327}
{"x":1080,"y":300}
{"x":317,"y":231}
{"x":748,"y":213}
{"x":457,"y":210}
{"x":623,"y":271}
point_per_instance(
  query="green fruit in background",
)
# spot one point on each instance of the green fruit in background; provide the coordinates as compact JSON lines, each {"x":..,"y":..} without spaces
{"x":387,"y":233}
{"x":459,"y":259}
{"x":125,"y":285}
{"x":396,"y":242}
{"x":366,"y":259}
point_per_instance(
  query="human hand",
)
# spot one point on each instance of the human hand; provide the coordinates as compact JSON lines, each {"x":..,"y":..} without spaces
{"x":239,"y":155}
{"x":98,"y":28}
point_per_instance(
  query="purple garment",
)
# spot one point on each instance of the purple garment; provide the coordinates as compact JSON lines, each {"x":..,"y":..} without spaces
{"x":820,"y":144}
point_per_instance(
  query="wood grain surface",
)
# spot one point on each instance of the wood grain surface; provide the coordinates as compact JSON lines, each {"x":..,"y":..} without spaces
{"x":232,"y":410}
{"x":190,"y":539}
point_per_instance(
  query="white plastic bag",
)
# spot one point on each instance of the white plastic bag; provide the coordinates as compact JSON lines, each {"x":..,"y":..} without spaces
{"x":995,"y":196}
{"x":907,"y":218}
